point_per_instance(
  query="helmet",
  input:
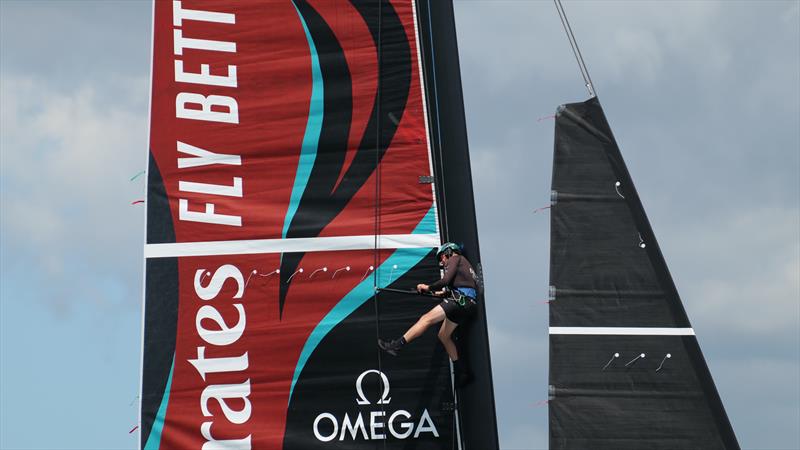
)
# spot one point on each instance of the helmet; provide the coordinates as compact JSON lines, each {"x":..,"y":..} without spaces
{"x":448,"y":248}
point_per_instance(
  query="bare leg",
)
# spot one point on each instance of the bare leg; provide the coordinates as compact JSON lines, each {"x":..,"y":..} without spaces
{"x":428,"y":319}
{"x":445,"y":335}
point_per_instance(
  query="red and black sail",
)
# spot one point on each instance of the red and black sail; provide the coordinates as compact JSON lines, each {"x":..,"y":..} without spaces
{"x":289,"y":176}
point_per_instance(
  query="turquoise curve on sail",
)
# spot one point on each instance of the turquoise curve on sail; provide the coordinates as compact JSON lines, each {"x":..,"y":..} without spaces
{"x":403,"y":258}
{"x":316,"y":110}
{"x":154,"y":440}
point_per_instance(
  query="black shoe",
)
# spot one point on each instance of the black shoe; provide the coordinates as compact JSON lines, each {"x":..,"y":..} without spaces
{"x":461,"y":374}
{"x":390,"y":347}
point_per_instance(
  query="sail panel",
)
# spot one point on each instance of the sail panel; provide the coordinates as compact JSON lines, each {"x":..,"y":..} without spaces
{"x":628,"y":406}
{"x":626,"y":371}
{"x":600,"y":274}
{"x":280,"y":130}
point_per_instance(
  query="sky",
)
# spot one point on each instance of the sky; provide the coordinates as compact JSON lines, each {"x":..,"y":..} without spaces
{"x":704,"y":101}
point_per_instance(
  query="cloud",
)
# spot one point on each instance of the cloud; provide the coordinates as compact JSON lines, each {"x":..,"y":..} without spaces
{"x":703,"y":97}
{"x":760,"y":397}
{"x":739,"y":271}
{"x":704,"y":100}
{"x":527,"y":42}
{"x":67,"y":157}
{"x":519,"y":360}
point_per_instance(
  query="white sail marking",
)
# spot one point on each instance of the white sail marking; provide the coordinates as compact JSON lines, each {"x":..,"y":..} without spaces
{"x":623,"y":331}
{"x":291,"y":245}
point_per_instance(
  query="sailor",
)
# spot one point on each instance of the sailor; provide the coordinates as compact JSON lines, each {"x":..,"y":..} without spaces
{"x":458,"y":287}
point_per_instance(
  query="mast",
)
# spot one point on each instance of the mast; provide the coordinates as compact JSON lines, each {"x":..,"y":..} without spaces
{"x":457,"y":204}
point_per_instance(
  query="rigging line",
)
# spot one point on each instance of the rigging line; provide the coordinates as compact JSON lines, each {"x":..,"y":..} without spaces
{"x":375,"y":253}
{"x":562,"y":15}
{"x":445,"y":229}
{"x":435,"y":89}
{"x":575,"y":49}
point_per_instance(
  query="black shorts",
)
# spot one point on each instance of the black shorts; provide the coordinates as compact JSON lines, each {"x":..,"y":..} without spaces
{"x":457,"y":313}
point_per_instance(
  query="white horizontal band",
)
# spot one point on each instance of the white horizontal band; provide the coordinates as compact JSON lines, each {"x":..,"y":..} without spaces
{"x":642,"y":331}
{"x":291,"y":245}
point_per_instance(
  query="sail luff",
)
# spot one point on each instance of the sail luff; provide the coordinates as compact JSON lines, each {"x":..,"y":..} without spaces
{"x":456,"y":201}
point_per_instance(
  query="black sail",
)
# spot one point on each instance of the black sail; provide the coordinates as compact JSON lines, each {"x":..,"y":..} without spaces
{"x":626,"y":370}
{"x":476,"y":407}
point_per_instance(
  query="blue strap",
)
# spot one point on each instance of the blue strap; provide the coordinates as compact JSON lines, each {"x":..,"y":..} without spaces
{"x":468,"y":291}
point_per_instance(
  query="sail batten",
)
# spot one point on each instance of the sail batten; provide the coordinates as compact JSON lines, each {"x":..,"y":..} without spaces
{"x":623,"y":331}
{"x":319,"y":244}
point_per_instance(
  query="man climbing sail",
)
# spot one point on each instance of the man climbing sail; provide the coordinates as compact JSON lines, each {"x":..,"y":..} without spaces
{"x":458,"y":286}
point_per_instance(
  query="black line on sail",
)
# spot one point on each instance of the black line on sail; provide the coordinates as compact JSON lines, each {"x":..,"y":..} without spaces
{"x":330,"y":154}
{"x":318,"y":205}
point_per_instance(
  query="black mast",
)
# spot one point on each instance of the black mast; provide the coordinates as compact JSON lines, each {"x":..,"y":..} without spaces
{"x":478,"y":422}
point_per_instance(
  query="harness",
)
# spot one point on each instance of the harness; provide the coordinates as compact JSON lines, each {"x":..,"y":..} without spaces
{"x":461,"y":295}
{"x":461,"y":298}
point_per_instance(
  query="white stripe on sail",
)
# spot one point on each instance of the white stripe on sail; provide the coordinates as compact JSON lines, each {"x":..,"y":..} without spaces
{"x":623,"y":331}
{"x":290,"y":245}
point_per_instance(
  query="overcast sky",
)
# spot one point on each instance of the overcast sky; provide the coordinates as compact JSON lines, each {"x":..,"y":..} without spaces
{"x":703,"y":98}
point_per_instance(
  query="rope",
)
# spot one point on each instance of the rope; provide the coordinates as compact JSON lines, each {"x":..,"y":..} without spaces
{"x":575,"y":49}
{"x":375,"y":253}
{"x":435,"y":91}
{"x":457,"y":441}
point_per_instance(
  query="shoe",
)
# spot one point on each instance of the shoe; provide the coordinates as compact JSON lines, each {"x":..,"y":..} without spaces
{"x":391,"y":347}
{"x":461,"y":374}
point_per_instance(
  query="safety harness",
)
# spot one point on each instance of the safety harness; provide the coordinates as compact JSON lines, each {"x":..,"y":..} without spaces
{"x":461,"y":298}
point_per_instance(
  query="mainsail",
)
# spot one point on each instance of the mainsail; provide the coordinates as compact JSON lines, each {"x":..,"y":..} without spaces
{"x":626,"y":370}
{"x":292,"y":171}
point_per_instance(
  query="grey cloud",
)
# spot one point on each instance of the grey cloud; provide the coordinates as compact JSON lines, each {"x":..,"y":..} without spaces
{"x":703,"y":98}
{"x":67,"y":159}
{"x":73,"y":43}
{"x":704,"y":101}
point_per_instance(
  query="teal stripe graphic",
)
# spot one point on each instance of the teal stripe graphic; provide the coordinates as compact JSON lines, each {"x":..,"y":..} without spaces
{"x":428,"y":223}
{"x":154,"y":440}
{"x":404,"y":258}
{"x":308,"y":152}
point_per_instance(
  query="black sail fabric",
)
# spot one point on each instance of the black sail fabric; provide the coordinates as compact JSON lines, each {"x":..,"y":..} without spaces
{"x":626,"y":370}
{"x":451,"y":161}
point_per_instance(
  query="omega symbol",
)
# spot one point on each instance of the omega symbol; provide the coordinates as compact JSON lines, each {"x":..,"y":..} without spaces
{"x":362,"y":399}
